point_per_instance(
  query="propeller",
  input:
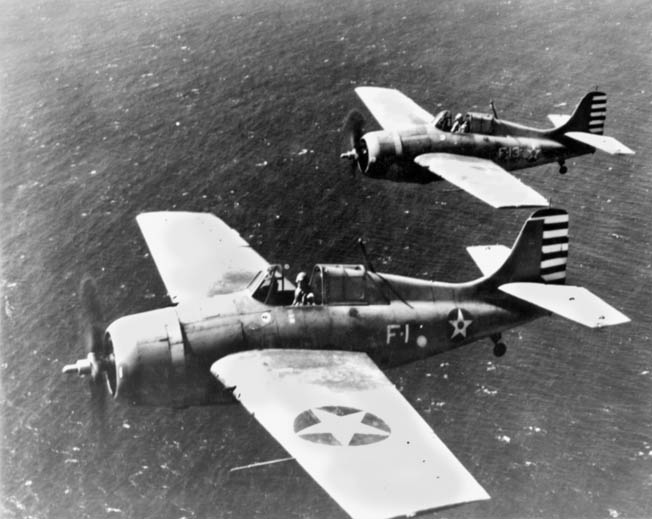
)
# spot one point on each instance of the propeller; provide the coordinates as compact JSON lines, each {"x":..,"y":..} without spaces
{"x":352,"y":132}
{"x":99,"y":358}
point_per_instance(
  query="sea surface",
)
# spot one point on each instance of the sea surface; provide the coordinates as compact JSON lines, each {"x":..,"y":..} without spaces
{"x":108,"y":109}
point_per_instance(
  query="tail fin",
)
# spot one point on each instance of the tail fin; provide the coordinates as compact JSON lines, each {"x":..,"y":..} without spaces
{"x":535,"y":272}
{"x":586,"y":125}
{"x":539,"y":253}
{"x":589,"y":115}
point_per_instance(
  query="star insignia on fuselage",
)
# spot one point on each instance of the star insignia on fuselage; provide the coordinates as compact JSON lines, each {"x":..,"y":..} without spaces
{"x":340,"y":426}
{"x":460,"y":323}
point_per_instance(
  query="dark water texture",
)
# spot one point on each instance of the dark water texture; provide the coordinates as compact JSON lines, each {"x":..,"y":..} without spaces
{"x":234,"y":107}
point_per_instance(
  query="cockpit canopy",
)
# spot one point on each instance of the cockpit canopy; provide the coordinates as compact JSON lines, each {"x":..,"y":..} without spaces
{"x":481,"y":123}
{"x":345,"y":285}
{"x":331,"y":284}
{"x":271,"y":287}
{"x":476,"y":122}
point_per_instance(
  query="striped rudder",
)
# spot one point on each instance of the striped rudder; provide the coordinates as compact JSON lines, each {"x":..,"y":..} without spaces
{"x":589,"y":115}
{"x":598,"y":112}
{"x":554,"y":245}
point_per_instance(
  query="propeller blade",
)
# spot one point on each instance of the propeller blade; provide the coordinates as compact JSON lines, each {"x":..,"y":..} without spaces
{"x":98,"y":360}
{"x":352,"y":132}
{"x":353,"y":128}
{"x":92,"y":317}
{"x":92,"y":322}
{"x":98,"y":396}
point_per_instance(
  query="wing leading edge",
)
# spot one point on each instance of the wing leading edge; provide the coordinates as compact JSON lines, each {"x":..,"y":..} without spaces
{"x":483,"y":179}
{"x":340,"y":417}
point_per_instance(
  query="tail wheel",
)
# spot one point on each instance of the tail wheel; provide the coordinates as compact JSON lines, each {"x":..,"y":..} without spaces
{"x":500,"y":349}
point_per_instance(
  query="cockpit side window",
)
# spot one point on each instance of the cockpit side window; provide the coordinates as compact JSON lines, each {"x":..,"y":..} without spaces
{"x":346,"y":288}
{"x":444,"y":121}
{"x":265,"y":289}
{"x":271,"y":288}
{"x":345,"y":285}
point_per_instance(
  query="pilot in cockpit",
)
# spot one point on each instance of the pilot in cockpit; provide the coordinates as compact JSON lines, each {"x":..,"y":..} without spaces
{"x":444,"y":121}
{"x":466,"y":125}
{"x":303,"y":294}
{"x":457,"y":123}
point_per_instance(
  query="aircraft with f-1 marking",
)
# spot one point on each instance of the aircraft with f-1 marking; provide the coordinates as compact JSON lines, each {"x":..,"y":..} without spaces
{"x":311,"y":374}
{"x":474,"y":152}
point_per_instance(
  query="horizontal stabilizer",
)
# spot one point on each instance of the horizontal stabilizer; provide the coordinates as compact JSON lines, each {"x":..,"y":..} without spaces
{"x":558,"y":119}
{"x":601,"y":142}
{"x":571,"y":302}
{"x":489,"y":258}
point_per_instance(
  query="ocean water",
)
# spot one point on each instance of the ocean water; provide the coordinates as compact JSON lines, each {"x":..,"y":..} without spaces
{"x":234,"y":107}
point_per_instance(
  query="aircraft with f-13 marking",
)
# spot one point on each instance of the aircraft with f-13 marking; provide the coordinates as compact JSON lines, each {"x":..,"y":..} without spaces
{"x":474,"y":152}
{"x":311,"y":373}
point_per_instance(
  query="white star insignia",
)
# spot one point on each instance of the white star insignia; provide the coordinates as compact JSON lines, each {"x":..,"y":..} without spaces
{"x":342,"y":428}
{"x":460,"y":325}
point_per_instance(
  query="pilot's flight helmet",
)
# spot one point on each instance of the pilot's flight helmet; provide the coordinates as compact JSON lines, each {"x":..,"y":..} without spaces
{"x":300,"y":277}
{"x":459,"y":117}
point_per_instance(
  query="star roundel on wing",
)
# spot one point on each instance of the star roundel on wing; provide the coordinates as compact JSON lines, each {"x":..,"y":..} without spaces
{"x":460,"y":321}
{"x":340,"y":426}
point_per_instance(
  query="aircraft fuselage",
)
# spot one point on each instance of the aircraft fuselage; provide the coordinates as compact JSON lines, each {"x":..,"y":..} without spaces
{"x":163,"y":357}
{"x":525,"y":148}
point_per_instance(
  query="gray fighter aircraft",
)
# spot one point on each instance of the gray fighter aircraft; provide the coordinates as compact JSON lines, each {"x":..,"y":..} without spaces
{"x":310,"y":373}
{"x":474,"y":152}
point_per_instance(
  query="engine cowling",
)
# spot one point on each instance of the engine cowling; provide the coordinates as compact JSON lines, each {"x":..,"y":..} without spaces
{"x":380,"y":149}
{"x":153,"y":365}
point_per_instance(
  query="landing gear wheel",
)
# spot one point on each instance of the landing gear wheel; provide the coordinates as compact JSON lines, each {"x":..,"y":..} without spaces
{"x":562,"y":167}
{"x":500,"y":349}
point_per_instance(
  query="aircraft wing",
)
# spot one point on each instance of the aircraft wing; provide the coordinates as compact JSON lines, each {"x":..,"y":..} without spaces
{"x":197,"y":254}
{"x":347,"y":425}
{"x":483,"y":179}
{"x":571,"y":302}
{"x":392,"y":109}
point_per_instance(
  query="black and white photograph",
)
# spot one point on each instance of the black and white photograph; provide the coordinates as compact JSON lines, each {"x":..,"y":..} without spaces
{"x":325,"y":260}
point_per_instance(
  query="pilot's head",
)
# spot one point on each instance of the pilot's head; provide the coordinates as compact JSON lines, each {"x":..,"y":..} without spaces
{"x":301,"y":278}
{"x":458,"y":118}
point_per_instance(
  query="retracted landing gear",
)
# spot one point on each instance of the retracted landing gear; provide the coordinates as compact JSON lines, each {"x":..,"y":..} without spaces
{"x":499,"y":346}
{"x":562,"y":167}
